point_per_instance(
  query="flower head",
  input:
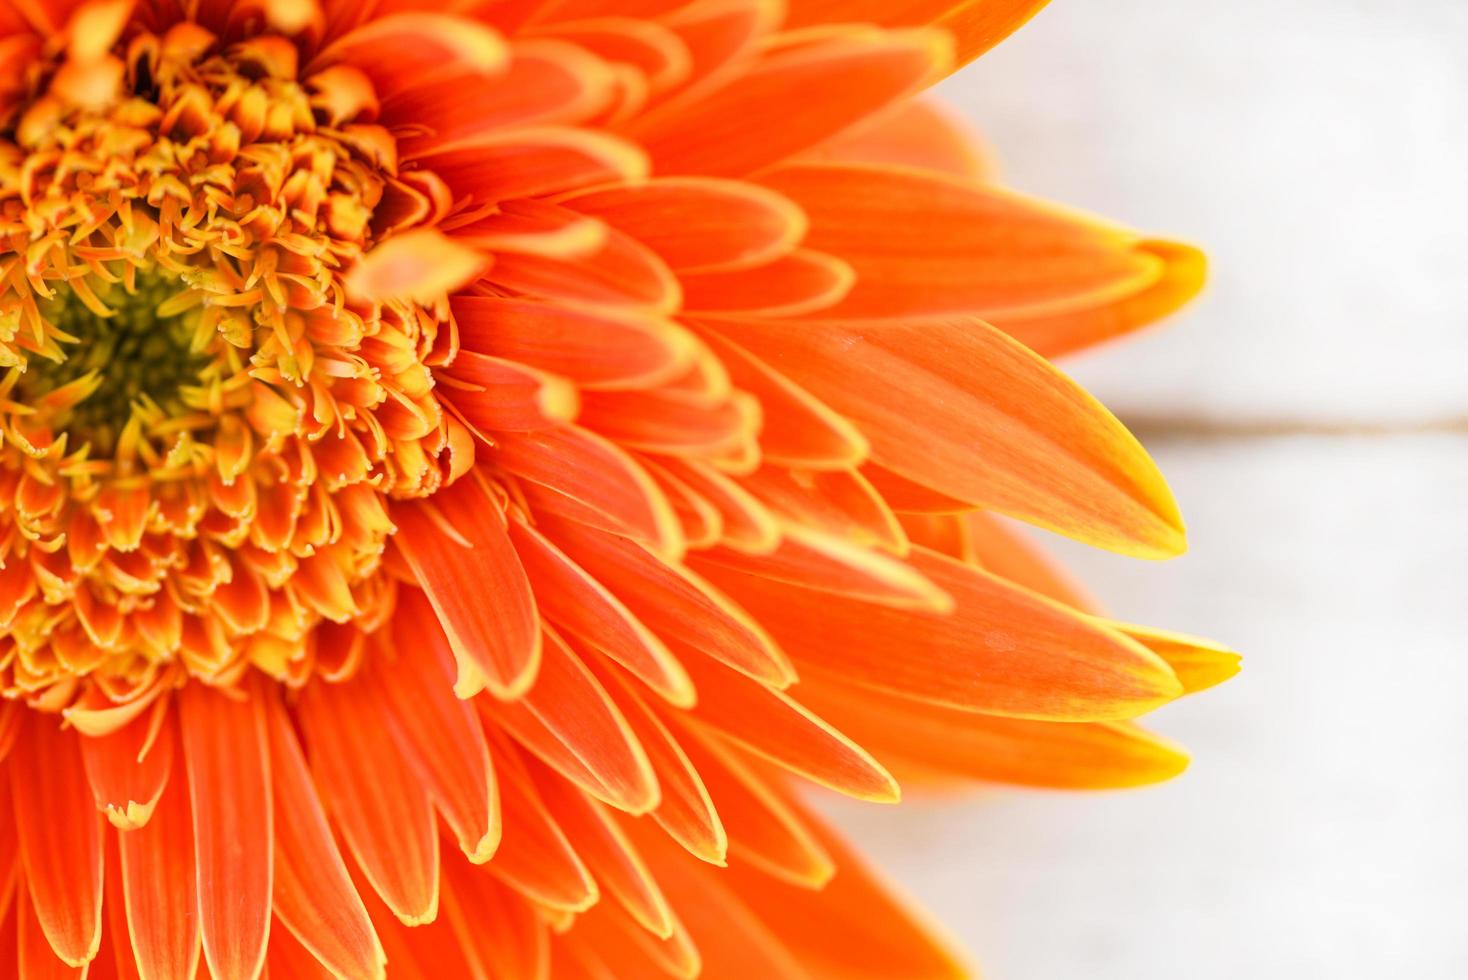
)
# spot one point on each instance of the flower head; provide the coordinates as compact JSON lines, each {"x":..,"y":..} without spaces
{"x":459,"y":462}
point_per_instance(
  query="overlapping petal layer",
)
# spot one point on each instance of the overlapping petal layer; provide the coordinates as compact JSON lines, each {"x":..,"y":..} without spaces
{"x":465,"y":465}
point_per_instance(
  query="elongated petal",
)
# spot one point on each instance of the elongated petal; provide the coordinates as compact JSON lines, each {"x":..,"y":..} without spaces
{"x":35,"y":958}
{"x":682,"y":609}
{"x":751,"y":121}
{"x":805,"y":281}
{"x":493,"y":394}
{"x":622,"y":275}
{"x":229,"y":784}
{"x":583,"y":608}
{"x":417,"y":265}
{"x":686,"y":812}
{"x":314,"y":896}
{"x":1053,"y":333}
{"x":1005,"y":550}
{"x":925,"y":244}
{"x":799,"y":429}
{"x":159,"y":883}
{"x":128,"y":768}
{"x":763,"y":830}
{"x":542,"y":161}
{"x":438,"y":733}
{"x":379,"y":805}
{"x":977,"y":25}
{"x":570,"y":723}
{"x":498,"y":928}
{"x":1198,"y":663}
{"x":463,"y":558}
{"x":856,"y":928}
{"x":1002,"y":650}
{"x":608,"y":854}
{"x":961,"y":408}
{"x":734,"y":942}
{"x":536,"y":858}
{"x":594,"y":348}
{"x":939,"y":744}
{"x":827,"y":563}
{"x":400,"y":50}
{"x":771,"y":724}
{"x":597,"y":474}
{"x":60,"y":835}
{"x":698,"y":223}
{"x":916,"y":134}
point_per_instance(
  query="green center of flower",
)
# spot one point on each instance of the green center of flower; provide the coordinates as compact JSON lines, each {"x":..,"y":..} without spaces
{"x":130,"y":352}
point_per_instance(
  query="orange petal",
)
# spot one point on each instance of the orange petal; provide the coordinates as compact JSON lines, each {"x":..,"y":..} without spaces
{"x":855,"y":928}
{"x":402,"y":50}
{"x":670,"y":422}
{"x":1198,"y":663}
{"x":733,"y":941}
{"x":609,"y":856}
{"x":1008,"y":552}
{"x":60,"y":836}
{"x":936,"y":743}
{"x":314,"y":895}
{"x":772,"y":725}
{"x":925,"y":244}
{"x":916,"y":134}
{"x":610,"y":935}
{"x":963,"y":409}
{"x":495,"y":926}
{"x":799,"y":429}
{"x":535,"y":857}
{"x":439,"y":734}
{"x":462,"y":556}
{"x":158,"y":881}
{"x":686,"y":812}
{"x":35,"y":958}
{"x":495,"y":395}
{"x":745,"y":524}
{"x":599,"y":476}
{"x":531,"y":228}
{"x":1002,"y":650}
{"x":229,"y":783}
{"x":568,"y":721}
{"x":622,"y":274}
{"x":582,"y":607}
{"x":547,"y":81}
{"x":699,"y":223}
{"x":1053,"y":333}
{"x":764,"y":831}
{"x":829,"y":564}
{"x":593,"y":348}
{"x":288,"y":959}
{"x":977,"y":25}
{"x":128,"y":768}
{"x":841,"y":503}
{"x":422,"y":265}
{"x":751,"y":121}
{"x":534,"y":162}
{"x":804,"y":281}
{"x":682,"y":609}
{"x":378,"y":803}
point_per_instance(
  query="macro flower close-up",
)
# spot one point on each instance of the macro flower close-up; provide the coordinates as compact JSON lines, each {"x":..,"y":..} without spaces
{"x":470,"y":471}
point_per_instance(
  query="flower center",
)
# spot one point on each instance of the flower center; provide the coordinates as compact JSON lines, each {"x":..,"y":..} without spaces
{"x":201,"y":430}
{"x":130,"y":358}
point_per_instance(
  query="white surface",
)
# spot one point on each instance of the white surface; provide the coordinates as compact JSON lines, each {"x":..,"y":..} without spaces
{"x":1319,"y":150}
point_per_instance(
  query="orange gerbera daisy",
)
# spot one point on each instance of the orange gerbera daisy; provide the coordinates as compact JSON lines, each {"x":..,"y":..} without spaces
{"x":460,"y":458}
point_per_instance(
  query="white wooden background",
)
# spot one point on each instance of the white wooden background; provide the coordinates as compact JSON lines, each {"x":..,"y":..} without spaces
{"x":1312,"y":414}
